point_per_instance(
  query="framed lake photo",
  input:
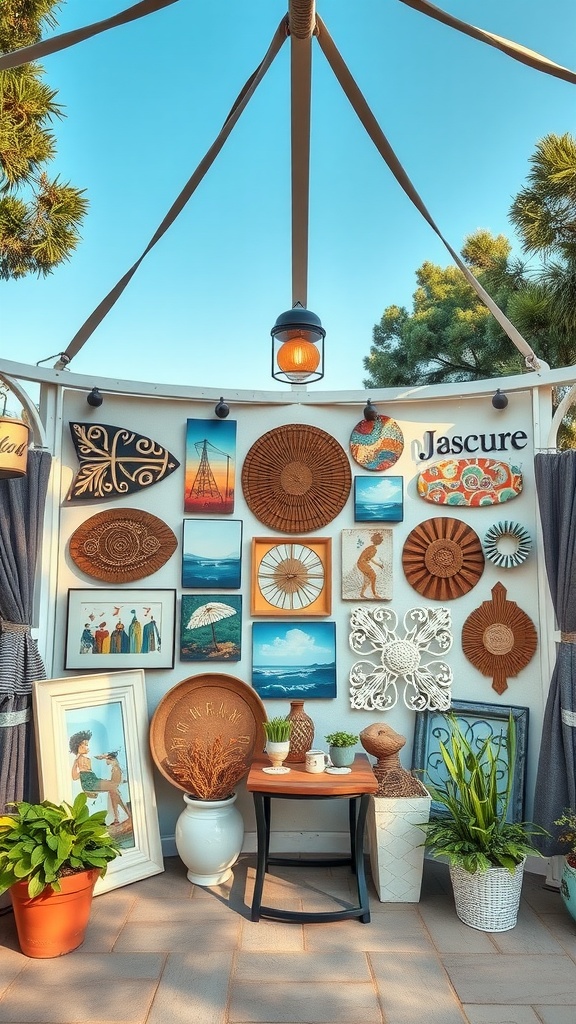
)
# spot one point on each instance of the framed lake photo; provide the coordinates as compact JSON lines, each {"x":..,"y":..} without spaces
{"x":120,"y":629}
{"x":211,"y":627}
{"x":294,"y":660}
{"x":92,"y":737}
{"x":212,"y":554}
{"x":378,"y":500}
{"x":210,"y":466}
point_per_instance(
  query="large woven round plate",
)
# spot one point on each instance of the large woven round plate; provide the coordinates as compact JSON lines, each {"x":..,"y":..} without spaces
{"x":296,"y":478}
{"x":207,"y":707}
{"x":442,"y":558}
{"x":121,"y":545}
{"x":376,"y":444}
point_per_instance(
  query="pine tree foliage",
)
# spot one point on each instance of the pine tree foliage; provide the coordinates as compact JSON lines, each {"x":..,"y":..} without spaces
{"x":449,"y":335}
{"x":40,"y":216}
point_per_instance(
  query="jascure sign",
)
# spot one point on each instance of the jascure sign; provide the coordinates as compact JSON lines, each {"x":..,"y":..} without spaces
{"x":471,"y":444}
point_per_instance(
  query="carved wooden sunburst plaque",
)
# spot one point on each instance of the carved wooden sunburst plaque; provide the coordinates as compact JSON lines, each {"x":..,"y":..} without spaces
{"x":499,"y":638}
{"x":442,"y":558}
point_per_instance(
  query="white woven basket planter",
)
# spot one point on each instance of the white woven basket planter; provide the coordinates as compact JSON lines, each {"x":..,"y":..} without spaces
{"x":487,"y":900}
{"x":395,"y":844}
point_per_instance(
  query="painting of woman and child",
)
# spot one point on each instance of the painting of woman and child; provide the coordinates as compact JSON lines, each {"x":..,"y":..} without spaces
{"x":97,"y":752}
{"x":116,"y":629}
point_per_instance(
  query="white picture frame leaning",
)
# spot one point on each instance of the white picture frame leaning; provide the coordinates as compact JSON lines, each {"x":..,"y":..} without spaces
{"x":111,"y":708}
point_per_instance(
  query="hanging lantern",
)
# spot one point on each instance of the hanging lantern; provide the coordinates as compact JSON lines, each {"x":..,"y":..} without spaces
{"x":298,"y":346}
{"x":14,"y":440}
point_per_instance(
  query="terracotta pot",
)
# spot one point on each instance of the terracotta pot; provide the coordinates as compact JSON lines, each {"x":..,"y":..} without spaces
{"x":54,"y":923}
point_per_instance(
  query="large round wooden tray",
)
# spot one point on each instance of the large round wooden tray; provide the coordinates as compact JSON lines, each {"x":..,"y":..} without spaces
{"x":207,"y":707}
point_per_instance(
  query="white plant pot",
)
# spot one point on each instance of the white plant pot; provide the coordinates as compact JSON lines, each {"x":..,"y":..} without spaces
{"x":395,"y":844}
{"x":488,"y":900}
{"x":209,"y":836}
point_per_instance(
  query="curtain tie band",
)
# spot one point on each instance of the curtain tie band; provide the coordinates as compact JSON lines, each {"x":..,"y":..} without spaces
{"x":568,"y":638}
{"x":568,"y":718}
{"x":9,"y":718}
{"x":13,"y":627}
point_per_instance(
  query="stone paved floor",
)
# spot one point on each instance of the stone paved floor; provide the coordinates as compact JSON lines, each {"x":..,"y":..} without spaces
{"x":162,"y":951}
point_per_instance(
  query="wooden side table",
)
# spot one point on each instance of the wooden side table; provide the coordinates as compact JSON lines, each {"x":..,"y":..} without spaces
{"x":297,"y":784}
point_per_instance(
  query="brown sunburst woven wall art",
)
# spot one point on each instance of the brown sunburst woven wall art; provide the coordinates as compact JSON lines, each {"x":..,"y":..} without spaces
{"x":499,"y":638}
{"x":296,"y":478}
{"x":442,"y":558}
{"x":122,"y":545}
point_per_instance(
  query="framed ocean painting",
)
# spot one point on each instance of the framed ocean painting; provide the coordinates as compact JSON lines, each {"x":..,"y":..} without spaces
{"x":211,"y":554}
{"x":210,"y":466}
{"x":211,"y":627}
{"x":378,"y":500}
{"x":296,"y":659}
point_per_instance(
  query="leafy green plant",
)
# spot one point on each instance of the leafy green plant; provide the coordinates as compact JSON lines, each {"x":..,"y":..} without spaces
{"x":278,"y":730}
{"x":568,"y":835}
{"x":42,"y":842}
{"x":476,"y":835}
{"x":341,"y":739}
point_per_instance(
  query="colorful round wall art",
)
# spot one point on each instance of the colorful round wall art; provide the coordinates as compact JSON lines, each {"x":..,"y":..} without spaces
{"x":376,"y":444}
{"x":507,"y":544}
{"x":499,"y":639}
{"x":442,"y":558}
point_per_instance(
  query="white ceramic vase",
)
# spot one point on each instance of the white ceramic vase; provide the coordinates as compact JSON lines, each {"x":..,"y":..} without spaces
{"x":209,"y":836}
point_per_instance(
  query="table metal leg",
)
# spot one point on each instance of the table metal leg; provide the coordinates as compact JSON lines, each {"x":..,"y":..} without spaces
{"x":363,"y":902}
{"x":263,"y":840}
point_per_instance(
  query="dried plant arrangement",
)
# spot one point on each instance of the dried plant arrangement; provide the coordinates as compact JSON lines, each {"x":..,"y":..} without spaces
{"x":209,"y":769}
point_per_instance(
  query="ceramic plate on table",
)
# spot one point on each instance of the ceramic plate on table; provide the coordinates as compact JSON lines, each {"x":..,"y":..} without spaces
{"x":276,"y":771}
{"x":338,"y":771}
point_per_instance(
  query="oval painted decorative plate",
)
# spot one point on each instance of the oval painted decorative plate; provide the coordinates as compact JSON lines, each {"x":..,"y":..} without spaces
{"x":376,"y":444}
{"x":469,"y":482}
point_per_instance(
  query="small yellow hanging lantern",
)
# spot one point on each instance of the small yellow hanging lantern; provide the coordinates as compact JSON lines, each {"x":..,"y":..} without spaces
{"x":14,"y":443}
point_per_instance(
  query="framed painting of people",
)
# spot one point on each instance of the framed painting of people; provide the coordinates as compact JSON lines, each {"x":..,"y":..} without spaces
{"x":92,"y":737}
{"x":120,"y":629}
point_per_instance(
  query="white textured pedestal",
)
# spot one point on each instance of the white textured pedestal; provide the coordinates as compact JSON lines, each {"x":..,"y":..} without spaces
{"x":395,"y":843}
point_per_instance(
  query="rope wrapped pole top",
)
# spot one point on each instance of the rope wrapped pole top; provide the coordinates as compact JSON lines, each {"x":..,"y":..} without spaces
{"x":302,"y":18}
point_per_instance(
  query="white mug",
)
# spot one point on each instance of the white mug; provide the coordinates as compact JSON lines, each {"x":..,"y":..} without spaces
{"x":316,"y":760}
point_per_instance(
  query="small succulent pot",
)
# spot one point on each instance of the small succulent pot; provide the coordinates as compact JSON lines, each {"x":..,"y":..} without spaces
{"x":342,"y":757}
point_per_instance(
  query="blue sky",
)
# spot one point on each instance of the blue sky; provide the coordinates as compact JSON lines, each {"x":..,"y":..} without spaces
{"x":145,"y":102}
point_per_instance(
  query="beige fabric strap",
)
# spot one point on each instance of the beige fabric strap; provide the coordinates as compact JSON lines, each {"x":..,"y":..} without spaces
{"x":95,"y":318}
{"x":516,"y":50}
{"x":568,"y":638}
{"x":371,"y":125}
{"x":13,"y":627}
{"x":301,"y":91}
{"x":78,"y":35}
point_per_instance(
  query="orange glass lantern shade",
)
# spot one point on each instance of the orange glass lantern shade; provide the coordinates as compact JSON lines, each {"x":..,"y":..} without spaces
{"x":297,"y":347}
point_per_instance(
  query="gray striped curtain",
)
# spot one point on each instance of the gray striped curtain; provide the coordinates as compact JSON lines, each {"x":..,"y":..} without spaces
{"x":22,"y":503}
{"x":556,"y":778}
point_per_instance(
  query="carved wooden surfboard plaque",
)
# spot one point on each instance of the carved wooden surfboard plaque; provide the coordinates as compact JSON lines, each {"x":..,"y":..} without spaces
{"x":115,"y":462}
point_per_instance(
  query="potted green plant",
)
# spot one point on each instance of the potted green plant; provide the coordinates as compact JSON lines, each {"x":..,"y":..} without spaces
{"x":50,"y":858}
{"x":278,"y":731}
{"x":486,"y":852}
{"x":341,"y":748}
{"x":568,"y":880}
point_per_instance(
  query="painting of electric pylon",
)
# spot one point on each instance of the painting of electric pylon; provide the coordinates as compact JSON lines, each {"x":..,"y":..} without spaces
{"x":210,"y":466}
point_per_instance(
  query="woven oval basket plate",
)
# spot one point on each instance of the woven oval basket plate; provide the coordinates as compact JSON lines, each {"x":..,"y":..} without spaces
{"x":122,"y":545}
{"x":376,"y":444}
{"x":208,"y":708}
{"x":442,"y":558}
{"x":296,"y":478}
